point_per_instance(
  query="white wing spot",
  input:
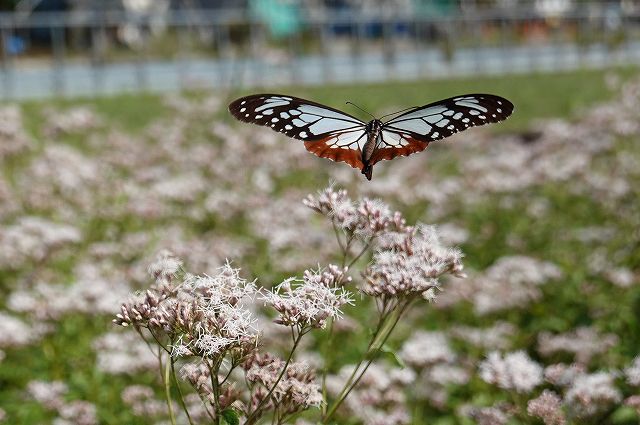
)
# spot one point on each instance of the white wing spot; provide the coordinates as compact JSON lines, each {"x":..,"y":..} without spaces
{"x":268,"y":112}
{"x":493,"y":115}
{"x":295,"y":112}
{"x":442,"y":123}
{"x":284,"y":115}
{"x":433,"y":118}
{"x":482,"y":117}
{"x":274,"y":120}
{"x":474,"y":112}
{"x":288,"y":127}
{"x":448,"y":113}
{"x":457,"y":116}
{"x":298,"y":123}
{"x":258,"y":116}
{"x":451,"y":127}
{"x":465,"y":120}
{"x":435,"y":135}
{"x":246,"y":115}
{"x":499,"y":103}
{"x":243,"y":102}
{"x":472,"y":104}
{"x":243,"y":109}
{"x":499,"y":110}
{"x":303,"y":134}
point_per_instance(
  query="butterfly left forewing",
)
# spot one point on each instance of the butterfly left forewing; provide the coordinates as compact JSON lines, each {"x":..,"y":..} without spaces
{"x":298,"y":118}
{"x":327,"y":132}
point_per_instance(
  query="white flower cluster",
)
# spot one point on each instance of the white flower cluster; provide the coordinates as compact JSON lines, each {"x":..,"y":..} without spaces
{"x":311,"y":301}
{"x":411,"y":265}
{"x":515,"y":371}
{"x":366,"y":219}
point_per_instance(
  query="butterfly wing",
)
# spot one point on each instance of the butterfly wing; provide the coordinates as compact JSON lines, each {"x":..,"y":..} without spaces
{"x":326,"y":132}
{"x":413,"y":131}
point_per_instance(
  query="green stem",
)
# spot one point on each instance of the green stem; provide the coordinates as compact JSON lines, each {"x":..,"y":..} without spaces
{"x":215,"y":386}
{"x":253,"y":417}
{"x":383,"y":333}
{"x":182,"y":403}
{"x":325,"y":370}
{"x":167,"y":386}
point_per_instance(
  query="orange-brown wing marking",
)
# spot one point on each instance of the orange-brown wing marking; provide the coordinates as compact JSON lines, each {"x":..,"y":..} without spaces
{"x":406,"y":145}
{"x":320,"y":148}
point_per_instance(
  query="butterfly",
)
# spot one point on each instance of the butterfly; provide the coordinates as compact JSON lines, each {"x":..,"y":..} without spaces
{"x":336,"y":135}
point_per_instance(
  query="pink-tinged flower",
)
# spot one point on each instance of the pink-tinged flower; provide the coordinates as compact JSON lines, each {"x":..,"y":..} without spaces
{"x":311,"y":301}
{"x":203,"y":315}
{"x":411,"y":265}
{"x":123,"y":353}
{"x":510,"y":282}
{"x":143,"y":402}
{"x":366,"y":219}
{"x":426,"y":349}
{"x":492,"y":415}
{"x":165,"y":267}
{"x":548,"y":407}
{"x":516,"y":371}
{"x":379,"y":398}
{"x":632,"y":372}
{"x":583,"y":342}
{"x":591,"y":395}
{"x":495,"y":337}
{"x":296,"y":390}
{"x":563,"y":375}
{"x":48,"y":394}
{"x":633,"y":402}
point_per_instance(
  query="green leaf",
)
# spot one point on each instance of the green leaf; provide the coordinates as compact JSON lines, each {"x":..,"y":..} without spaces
{"x":230,"y":416}
{"x":388,"y":353}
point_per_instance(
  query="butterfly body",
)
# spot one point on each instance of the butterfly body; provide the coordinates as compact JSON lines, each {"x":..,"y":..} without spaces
{"x":336,"y":135}
{"x":374,"y":140}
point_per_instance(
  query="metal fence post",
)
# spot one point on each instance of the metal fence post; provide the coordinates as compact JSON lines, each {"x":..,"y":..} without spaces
{"x":59,"y":51}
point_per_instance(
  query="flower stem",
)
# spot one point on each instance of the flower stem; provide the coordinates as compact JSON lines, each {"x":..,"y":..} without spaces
{"x":167,"y":386}
{"x":182,"y":403}
{"x":385,"y":328}
{"x":253,"y":417}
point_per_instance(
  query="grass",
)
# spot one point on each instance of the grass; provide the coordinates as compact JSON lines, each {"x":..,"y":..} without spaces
{"x":67,"y":354}
{"x":536,"y":96}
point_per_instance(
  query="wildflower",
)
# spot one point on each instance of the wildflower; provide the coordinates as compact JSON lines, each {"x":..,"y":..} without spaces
{"x":311,"y":301}
{"x":142,"y":401}
{"x":516,"y":371}
{"x":165,"y":267}
{"x":366,"y":219}
{"x":592,"y":394}
{"x":633,"y":402}
{"x":548,"y":407}
{"x":426,"y":348}
{"x":583,"y":342}
{"x":412,"y":266}
{"x":493,"y":415}
{"x":563,"y":375}
{"x":632,"y":372}
{"x":295,"y":391}
{"x":49,"y":394}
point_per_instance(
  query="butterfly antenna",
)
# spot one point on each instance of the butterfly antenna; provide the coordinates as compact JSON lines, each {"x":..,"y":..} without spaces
{"x":398,"y":112}
{"x":351,"y":103}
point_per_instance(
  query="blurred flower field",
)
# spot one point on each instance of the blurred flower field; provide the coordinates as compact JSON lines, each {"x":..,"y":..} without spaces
{"x":545,"y":328}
